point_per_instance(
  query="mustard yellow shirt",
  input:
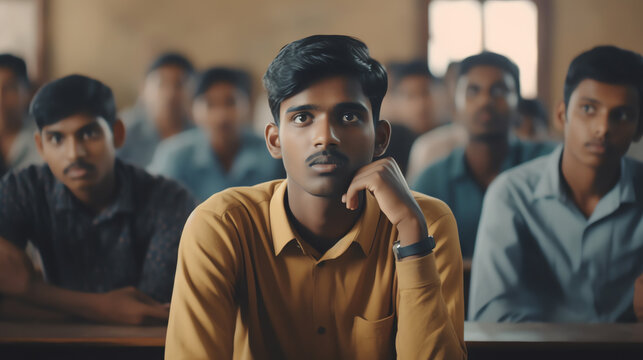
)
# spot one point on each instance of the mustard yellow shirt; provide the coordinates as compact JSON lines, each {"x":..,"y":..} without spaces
{"x":248,"y":287}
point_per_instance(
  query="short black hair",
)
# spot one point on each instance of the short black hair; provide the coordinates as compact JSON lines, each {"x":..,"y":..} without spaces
{"x":171,"y":59}
{"x":72,"y":95}
{"x":238,"y":78}
{"x":306,"y":61}
{"x":488,"y":58}
{"x":607,"y":64}
{"x":534,"y":108}
{"x":16,"y":65}
{"x":400,"y":70}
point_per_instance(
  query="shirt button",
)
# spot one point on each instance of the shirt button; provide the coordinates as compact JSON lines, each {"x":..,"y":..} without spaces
{"x":321,"y":330}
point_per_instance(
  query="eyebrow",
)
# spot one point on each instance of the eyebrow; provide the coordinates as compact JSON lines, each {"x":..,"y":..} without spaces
{"x":351,"y":106}
{"x":588,"y":99}
{"x":302,"y":108}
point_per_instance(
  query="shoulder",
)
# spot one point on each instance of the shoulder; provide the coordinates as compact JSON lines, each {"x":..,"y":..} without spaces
{"x":248,"y":199}
{"x":519,"y":181}
{"x":432,"y":207}
{"x":437,"y":174}
{"x":32,"y":176}
{"x":154,"y":189}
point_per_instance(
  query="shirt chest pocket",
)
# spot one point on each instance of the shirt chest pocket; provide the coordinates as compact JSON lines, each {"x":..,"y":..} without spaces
{"x":374,"y":339}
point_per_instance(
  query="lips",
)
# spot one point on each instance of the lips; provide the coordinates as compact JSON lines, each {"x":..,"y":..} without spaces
{"x":327,"y":161}
{"x":596,"y":147}
{"x":78,"y":170}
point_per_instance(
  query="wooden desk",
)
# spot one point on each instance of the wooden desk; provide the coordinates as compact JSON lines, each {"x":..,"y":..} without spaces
{"x":80,"y":341}
{"x":484,"y":341}
{"x":554,"y":341}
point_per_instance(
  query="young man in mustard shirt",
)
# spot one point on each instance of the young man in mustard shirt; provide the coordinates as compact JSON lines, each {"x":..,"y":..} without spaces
{"x":303,"y":268}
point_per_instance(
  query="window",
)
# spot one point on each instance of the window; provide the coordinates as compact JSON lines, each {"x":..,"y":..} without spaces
{"x":21,"y":32}
{"x":459,"y":28}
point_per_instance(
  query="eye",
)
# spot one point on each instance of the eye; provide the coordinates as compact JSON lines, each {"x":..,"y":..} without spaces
{"x":350,"y":117}
{"x":498,"y":92}
{"x":472,"y":91}
{"x":55,"y":139}
{"x":88,"y":134}
{"x":588,"y":109}
{"x":300,"y":118}
{"x":621,"y":116}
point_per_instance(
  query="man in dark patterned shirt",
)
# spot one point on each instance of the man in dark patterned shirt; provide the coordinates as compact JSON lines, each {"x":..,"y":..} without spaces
{"x":107,"y":232}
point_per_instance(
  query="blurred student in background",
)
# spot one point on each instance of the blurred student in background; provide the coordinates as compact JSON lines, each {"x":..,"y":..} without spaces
{"x":17,"y":148}
{"x":487,"y":98}
{"x":221,"y":151}
{"x":107,"y":232}
{"x":561,"y":237}
{"x":163,"y":109}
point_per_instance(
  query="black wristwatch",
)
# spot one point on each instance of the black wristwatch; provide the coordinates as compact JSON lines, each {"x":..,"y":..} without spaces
{"x":421,"y":248}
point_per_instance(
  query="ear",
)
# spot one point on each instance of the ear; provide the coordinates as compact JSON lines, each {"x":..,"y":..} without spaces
{"x":118,"y":130}
{"x":560,"y":116}
{"x":382,"y":137}
{"x":38,"y":139}
{"x":272,"y":140}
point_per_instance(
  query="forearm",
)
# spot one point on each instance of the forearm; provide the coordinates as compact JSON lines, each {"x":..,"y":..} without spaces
{"x":14,"y":309}
{"x":76,"y":303}
{"x":425,"y":327}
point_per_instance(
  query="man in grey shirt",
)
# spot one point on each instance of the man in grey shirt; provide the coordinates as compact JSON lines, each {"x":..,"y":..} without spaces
{"x":561,"y":237}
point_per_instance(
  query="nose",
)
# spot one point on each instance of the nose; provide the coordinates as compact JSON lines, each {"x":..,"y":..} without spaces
{"x":601,"y":125}
{"x":325,"y":134}
{"x":75,"y":149}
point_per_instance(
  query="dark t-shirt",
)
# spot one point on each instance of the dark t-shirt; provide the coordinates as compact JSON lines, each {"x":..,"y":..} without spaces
{"x":133,"y":242}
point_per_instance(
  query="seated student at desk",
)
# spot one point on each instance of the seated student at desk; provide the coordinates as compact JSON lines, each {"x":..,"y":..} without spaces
{"x":487,"y":95}
{"x":107,"y":232}
{"x":561,"y":237}
{"x":305,"y":267}
{"x":219,"y":153}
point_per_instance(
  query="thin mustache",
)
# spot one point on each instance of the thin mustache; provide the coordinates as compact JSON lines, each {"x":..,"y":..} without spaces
{"x":327,"y":153}
{"x":78,"y":164}
{"x":596,"y":142}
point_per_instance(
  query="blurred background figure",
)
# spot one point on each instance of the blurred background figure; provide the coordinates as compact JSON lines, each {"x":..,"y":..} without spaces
{"x":532,"y":123}
{"x":162,"y":109}
{"x":17,"y":147}
{"x":438,"y":143}
{"x":487,"y":96}
{"x":220,"y":152}
{"x":411,"y":96}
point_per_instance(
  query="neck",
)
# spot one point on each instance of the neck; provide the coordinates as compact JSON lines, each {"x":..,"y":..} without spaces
{"x":98,"y":197}
{"x":485,"y":158}
{"x":320,"y":221}
{"x":168,"y":126}
{"x":226,"y":151}
{"x":586,"y":184}
{"x":8,"y":133}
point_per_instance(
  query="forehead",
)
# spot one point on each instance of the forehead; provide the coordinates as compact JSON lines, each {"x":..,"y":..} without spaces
{"x":7,"y":75}
{"x":487,"y":75}
{"x":328,"y":92}
{"x":75,"y":122}
{"x":222,"y":88}
{"x":607,"y":94}
{"x":169,"y":71}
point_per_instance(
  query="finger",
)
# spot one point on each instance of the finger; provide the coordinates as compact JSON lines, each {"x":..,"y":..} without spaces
{"x":157,"y":311}
{"x":352,"y":194}
{"x":144,"y":298}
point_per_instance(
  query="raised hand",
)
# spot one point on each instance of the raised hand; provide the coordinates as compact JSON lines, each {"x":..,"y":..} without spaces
{"x":384,"y":179}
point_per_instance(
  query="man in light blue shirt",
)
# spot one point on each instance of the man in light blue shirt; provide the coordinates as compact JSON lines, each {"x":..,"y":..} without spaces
{"x":487,"y":95}
{"x":161,"y":112}
{"x":561,"y":237}
{"x":218,"y":154}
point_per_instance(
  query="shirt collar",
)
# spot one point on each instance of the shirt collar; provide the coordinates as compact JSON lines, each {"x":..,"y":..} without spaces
{"x":362,"y":233}
{"x":458,"y":160}
{"x":65,"y":200}
{"x":550,"y":184}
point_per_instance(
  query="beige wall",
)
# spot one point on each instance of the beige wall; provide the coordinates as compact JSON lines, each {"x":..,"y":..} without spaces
{"x":113,"y":40}
{"x":578,"y":25}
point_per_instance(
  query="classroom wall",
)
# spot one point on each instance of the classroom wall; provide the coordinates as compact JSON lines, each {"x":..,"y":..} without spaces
{"x":114,"y":40}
